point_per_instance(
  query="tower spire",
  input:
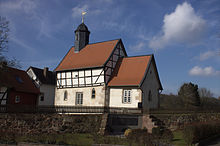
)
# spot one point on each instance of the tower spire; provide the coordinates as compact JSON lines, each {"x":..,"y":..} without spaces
{"x":83,"y":13}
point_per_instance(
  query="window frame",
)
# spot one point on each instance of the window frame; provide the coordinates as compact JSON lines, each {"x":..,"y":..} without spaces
{"x":93,"y":93}
{"x":17,"y":99}
{"x":42,"y":97}
{"x":65,"y":96}
{"x":79,"y":99}
{"x":126,"y":96}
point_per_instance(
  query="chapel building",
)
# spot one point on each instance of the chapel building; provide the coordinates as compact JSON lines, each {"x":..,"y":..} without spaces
{"x":101,"y":75}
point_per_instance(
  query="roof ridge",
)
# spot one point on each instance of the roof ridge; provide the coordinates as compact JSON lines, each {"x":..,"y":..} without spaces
{"x":15,"y":68}
{"x":41,"y":69}
{"x":139,"y":56}
{"x":101,"y":42}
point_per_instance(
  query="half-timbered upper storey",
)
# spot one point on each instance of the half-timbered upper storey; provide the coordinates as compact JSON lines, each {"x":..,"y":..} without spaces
{"x":91,"y":66}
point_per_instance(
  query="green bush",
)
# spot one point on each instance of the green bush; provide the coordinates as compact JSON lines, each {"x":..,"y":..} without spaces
{"x":188,"y":134}
{"x":162,"y":135}
{"x":167,"y":136}
{"x":140,"y":137}
{"x":197,"y":132}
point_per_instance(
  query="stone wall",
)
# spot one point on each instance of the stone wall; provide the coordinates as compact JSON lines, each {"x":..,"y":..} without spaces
{"x":48,"y":123}
{"x":175,"y":121}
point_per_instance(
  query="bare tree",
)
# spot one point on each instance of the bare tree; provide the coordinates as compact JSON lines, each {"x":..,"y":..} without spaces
{"x":4,"y":35}
{"x":203,"y":92}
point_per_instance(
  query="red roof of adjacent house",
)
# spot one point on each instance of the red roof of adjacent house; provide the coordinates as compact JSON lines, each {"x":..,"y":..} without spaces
{"x":17,"y":80}
{"x":130,"y":71}
{"x":92,"y":55}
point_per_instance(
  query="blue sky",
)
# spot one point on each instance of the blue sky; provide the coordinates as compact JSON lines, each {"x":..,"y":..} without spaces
{"x":183,"y":35}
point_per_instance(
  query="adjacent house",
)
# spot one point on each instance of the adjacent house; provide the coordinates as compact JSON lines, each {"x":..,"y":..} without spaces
{"x":45,"y":81}
{"x":101,"y":75}
{"x":17,"y":89}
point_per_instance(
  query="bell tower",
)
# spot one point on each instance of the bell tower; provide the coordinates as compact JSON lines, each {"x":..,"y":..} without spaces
{"x":81,"y":36}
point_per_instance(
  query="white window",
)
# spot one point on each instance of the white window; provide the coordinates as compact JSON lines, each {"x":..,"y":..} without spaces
{"x":79,"y":98}
{"x":127,"y":96}
{"x":65,"y":96}
{"x":17,"y":99}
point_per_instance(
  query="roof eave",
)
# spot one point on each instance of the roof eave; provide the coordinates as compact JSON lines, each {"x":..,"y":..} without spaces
{"x":75,"y":69}
{"x":148,"y":66}
{"x":146,"y":71}
{"x":123,"y":85}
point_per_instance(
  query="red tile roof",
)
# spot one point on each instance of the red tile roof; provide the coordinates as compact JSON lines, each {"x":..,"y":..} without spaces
{"x":18,"y":80}
{"x":130,"y":71}
{"x":92,"y":55}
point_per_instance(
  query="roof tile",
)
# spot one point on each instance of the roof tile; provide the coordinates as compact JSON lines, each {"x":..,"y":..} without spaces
{"x":130,"y":71}
{"x":18,"y":80}
{"x":92,"y":55}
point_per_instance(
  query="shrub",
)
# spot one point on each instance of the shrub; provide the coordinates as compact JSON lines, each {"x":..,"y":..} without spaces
{"x":140,"y":136}
{"x":196,"y":132}
{"x":162,"y":135}
{"x":167,"y":136}
{"x":127,"y":132}
{"x":157,"y":132}
{"x":188,"y":134}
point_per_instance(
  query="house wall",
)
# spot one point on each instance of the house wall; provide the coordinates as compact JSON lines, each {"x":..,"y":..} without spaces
{"x":79,"y":78}
{"x":25,"y":98}
{"x":49,"y":94}
{"x":2,"y":91}
{"x":150,"y":83}
{"x":116,"y":95}
{"x":87,"y":96}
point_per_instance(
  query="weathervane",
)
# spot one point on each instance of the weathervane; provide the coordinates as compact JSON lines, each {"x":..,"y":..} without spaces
{"x":83,"y":13}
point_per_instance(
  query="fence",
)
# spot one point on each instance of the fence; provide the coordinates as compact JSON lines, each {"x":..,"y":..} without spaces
{"x":66,"y":109}
{"x":96,"y":109}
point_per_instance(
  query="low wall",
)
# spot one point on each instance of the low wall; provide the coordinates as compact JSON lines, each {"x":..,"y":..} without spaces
{"x":175,"y":121}
{"x":48,"y":123}
{"x":63,"y":123}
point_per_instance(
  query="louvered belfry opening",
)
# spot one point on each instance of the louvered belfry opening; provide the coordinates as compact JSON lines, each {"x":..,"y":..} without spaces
{"x":81,"y":37}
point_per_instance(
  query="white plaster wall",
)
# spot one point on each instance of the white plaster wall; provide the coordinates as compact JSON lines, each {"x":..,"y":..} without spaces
{"x":116,"y":95}
{"x":81,"y":81}
{"x":87,"y":96}
{"x":49,"y":94}
{"x":3,"y":89}
{"x":150,"y":83}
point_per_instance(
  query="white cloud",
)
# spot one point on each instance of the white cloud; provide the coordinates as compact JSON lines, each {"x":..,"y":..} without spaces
{"x":181,"y":26}
{"x":138,"y":47}
{"x":76,"y":11}
{"x":27,"y":6}
{"x":207,"y":71}
{"x":207,"y":55}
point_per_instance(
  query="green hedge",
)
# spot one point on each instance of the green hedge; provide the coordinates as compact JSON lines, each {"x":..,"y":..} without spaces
{"x":196,"y":132}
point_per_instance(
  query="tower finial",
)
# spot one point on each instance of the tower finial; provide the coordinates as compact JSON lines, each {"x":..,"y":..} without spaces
{"x":83,"y":13}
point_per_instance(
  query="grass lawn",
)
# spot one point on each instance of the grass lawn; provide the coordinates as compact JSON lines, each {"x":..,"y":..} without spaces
{"x":178,"y":138}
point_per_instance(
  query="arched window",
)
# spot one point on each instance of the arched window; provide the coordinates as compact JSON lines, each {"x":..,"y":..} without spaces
{"x":65,"y":96}
{"x":93,"y":93}
{"x":149,"y":96}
